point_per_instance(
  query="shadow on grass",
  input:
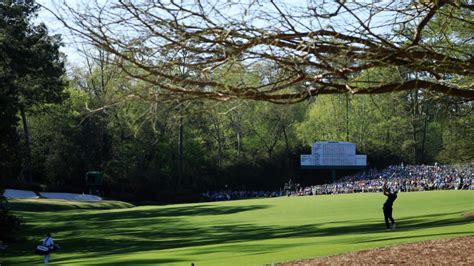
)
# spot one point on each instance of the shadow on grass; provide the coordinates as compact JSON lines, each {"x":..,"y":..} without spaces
{"x":191,"y":236}
{"x":112,"y":233}
{"x":157,"y":212}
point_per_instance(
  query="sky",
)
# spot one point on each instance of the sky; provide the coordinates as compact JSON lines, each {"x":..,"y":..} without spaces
{"x":70,"y":47}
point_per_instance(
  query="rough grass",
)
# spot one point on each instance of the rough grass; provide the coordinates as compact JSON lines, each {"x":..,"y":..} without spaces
{"x":247,"y":232}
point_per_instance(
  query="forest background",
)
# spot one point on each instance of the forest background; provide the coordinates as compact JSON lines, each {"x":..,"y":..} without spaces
{"x":56,"y":126}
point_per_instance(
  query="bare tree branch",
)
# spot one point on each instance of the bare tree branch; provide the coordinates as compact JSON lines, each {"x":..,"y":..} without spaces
{"x":323,"y":46}
{"x":435,"y":6}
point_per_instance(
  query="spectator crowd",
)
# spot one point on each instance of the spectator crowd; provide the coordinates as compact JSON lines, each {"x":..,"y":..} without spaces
{"x":239,"y":194}
{"x":404,"y":178}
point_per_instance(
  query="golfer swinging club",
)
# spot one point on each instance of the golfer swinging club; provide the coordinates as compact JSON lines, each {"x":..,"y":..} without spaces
{"x":387,"y":206}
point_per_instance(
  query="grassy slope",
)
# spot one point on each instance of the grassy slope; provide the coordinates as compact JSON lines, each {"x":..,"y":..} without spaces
{"x":248,"y":232}
{"x":62,"y":205}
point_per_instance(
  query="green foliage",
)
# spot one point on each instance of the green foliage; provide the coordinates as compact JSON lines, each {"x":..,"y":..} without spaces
{"x":374,"y":124}
{"x":411,"y":127}
{"x":248,"y":232}
{"x":246,"y":145}
{"x":9,"y":105}
{"x":10,"y":225}
{"x":31,"y":71}
{"x":325,"y":120}
{"x":56,"y":133}
{"x":9,"y":164}
{"x":232,"y":144}
{"x":32,"y":55}
{"x":457,"y":138}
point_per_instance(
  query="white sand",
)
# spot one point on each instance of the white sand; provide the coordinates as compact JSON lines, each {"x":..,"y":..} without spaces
{"x":70,"y":196}
{"x":19,"y":194}
{"x":26,"y":194}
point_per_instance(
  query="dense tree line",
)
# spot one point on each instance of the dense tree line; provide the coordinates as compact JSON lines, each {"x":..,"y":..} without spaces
{"x":238,"y":145}
{"x":31,"y":77}
{"x":152,"y":127}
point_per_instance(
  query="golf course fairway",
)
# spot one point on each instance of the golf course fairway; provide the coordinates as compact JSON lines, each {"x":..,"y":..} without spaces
{"x":244,"y":232}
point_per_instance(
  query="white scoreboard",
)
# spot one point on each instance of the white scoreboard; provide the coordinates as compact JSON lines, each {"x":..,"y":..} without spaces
{"x":333,"y":153}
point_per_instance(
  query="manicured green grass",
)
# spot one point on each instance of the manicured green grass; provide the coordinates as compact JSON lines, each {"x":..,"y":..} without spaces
{"x":63,"y":205}
{"x":246,"y":232}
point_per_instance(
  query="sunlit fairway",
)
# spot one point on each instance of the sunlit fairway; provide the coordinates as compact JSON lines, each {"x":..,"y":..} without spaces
{"x":246,"y":232}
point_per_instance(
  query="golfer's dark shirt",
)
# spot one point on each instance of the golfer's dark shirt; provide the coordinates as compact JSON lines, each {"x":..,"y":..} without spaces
{"x":391,"y":197}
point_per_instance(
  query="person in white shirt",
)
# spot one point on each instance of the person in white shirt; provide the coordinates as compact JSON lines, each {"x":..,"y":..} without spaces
{"x":49,"y":243}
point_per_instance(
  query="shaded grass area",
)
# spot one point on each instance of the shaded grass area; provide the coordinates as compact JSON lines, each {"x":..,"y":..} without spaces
{"x":248,"y":232}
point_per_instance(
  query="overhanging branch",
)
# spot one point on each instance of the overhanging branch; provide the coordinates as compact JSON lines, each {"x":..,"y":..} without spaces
{"x":327,"y":57}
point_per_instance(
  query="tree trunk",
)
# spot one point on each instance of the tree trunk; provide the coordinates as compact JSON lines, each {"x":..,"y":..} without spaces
{"x":219,"y":140}
{"x":414,"y":123}
{"x":26,"y":133}
{"x":238,"y":144}
{"x":423,"y":141}
{"x":347,"y":117}
{"x":287,"y":150}
{"x":287,"y":145}
{"x":180,"y":152}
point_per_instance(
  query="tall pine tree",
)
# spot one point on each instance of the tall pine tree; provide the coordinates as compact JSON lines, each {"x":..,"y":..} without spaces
{"x":31,"y":73}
